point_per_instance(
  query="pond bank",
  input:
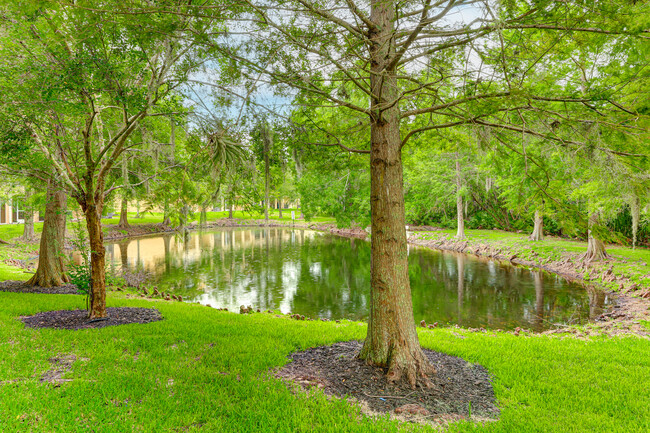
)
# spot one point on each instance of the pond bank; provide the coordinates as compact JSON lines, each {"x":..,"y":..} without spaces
{"x":620,"y":275}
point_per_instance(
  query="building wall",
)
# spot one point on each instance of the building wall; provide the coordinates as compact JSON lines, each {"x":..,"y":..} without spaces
{"x":6,"y":214}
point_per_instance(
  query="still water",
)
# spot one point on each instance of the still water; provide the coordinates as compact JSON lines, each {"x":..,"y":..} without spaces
{"x":326,"y":276}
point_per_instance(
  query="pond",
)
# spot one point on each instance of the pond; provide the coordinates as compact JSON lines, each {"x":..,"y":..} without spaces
{"x":325,"y":276}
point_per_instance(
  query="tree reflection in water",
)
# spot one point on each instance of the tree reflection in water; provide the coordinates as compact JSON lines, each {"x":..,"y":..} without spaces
{"x":322,"y":275}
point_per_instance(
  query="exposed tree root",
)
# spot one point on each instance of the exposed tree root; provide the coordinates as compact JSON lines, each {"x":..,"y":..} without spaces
{"x":595,"y":251}
{"x":404,"y":366}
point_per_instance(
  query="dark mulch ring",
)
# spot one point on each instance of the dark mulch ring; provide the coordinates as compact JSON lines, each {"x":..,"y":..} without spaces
{"x":23,"y":287}
{"x":459,"y":388}
{"x":78,"y":319}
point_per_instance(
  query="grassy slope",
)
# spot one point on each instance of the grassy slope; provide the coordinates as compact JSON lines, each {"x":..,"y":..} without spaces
{"x":634,"y":264}
{"x":205,"y":370}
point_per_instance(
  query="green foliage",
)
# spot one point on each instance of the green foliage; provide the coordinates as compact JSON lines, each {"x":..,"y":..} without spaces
{"x":80,"y":274}
{"x":80,"y":277}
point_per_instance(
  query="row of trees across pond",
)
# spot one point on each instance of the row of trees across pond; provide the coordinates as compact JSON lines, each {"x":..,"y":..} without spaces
{"x":448,"y":112}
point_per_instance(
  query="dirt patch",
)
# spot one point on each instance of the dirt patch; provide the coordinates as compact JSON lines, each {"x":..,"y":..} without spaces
{"x":60,"y":365}
{"x":28,"y":265}
{"x":459,"y":388}
{"x":78,"y":319}
{"x":23,"y":287}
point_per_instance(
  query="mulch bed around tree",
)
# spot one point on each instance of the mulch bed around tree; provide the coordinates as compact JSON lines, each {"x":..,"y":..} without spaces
{"x":78,"y":319}
{"x":457,"y":385}
{"x":23,"y":287}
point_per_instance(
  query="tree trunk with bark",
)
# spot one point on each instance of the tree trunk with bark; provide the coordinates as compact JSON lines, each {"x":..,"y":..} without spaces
{"x":28,"y":231}
{"x":280,"y":208}
{"x":635,"y":209}
{"x":392,"y":341}
{"x":166,"y":220}
{"x":203,"y":217}
{"x":124,"y":218}
{"x":595,"y":247}
{"x":267,"y":145}
{"x":51,"y":266}
{"x":183,"y":219}
{"x":460,"y":232}
{"x":538,"y":230}
{"x":93,"y":213}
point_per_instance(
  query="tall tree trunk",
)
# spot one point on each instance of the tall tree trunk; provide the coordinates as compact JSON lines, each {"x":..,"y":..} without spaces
{"x":538,"y":230}
{"x":124,"y":221}
{"x":267,"y":146}
{"x":28,"y":231}
{"x":93,"y":212}
{"x":460,"y":232}
{"x":230,"y":214}
{"x":183,"y":217}
{"x":392,"y":341}
{"x":280,"y":207}
{"x":595,"y":247}
{"x":203,"y":218}
{"x":298,"y":161}
{"x":51,"y":266}
{"x":635,"y":209}
{"x":166,"y":219}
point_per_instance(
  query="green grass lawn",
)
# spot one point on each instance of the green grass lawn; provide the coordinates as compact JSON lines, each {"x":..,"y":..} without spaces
{"x":8,"y":272}
{"x":201,"y":370}
{"x":10,"y":231}
{"x":550,"y":245}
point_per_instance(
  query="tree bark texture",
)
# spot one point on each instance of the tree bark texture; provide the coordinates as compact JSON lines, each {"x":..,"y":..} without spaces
{"x":595,"y":247}
{"x":124,"y":217}
{"x":93,"y":213}
{"x":51,"y":266}
{"x":166,"y":220}
{"x":392,"y":341}
{"x":28,"y":231}
{"x":267,"y":146}
{"x":538,"y":229}
{"x":460,"y":232}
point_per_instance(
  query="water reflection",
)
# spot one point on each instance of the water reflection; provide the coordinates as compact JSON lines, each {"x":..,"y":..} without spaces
{"x":321,"y":275}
